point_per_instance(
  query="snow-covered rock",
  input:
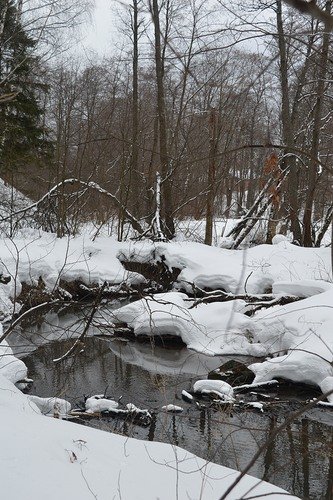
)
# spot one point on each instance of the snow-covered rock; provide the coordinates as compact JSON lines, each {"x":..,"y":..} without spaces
{"x":170,"y":408}
{"x":215,"y":387}
{"x":55,"y":407}
{"x":97,"y":404}
{"x":10,"y":367}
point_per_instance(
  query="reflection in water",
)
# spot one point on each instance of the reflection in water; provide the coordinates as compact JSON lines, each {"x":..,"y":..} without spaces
{"x":299,"y":460}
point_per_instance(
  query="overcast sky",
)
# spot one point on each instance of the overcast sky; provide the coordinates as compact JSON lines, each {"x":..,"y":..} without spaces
{"x":102,"y":33}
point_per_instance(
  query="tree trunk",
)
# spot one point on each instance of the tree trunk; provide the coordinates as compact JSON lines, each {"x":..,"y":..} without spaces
{"x":211,"y":179}
{"x":313,"y":167}
{"x":135,"y":177}
{"x":288,"y":130}
{"x":167,"y":205}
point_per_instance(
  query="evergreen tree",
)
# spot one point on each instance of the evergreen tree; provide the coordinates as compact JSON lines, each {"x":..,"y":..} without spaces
{"x":23,"y":138}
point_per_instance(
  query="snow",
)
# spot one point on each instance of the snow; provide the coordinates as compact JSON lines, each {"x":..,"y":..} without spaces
{"x":186,"y":395}
{"x":258,"y":406}
{"x":194,"y":230}
{"x":13,"y":200}
{"x":10,"y":367}
{"x":301,"y":288}
{"x":97,"y":404}
{"x":278,"y":238}
{"x":255,"y":385}
{"x":52,"y":259}
{"x":51,"y":406}
{"x":300,"y":335}
{"x":134,"y":410}
{"x":253,"y":270}
{"x":216,"y":328}
{"x":215,"y":387}
{"x":51,"y":458}
{"x":172,"y":408}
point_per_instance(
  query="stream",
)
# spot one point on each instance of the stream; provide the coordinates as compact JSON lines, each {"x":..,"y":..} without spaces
{"x":299,"y":460}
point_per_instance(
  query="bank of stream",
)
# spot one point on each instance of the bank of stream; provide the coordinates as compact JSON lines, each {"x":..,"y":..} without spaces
{"x":300,"y":460}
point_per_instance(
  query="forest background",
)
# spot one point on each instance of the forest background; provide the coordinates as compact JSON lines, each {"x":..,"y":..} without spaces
{"x":201,"y":110}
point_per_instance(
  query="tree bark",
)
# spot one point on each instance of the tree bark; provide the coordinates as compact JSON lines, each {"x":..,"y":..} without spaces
{"x":167,"y":202}
{"x":211,"y":179}
{"x":287,"y":129}
{"x":135,"y":177}
{"x":313,"y":167}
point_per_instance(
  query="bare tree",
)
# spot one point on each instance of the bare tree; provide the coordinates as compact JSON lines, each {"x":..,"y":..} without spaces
{"x":167,"y":200}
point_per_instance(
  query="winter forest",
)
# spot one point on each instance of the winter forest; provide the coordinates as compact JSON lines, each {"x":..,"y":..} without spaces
{"x":166,"y":218}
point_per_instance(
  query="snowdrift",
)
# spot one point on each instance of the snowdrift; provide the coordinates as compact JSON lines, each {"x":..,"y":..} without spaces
{"x":49,"y":259}
{"x":218,"y":328}
{"x":300,"y":336}
{"x":254,"y":270}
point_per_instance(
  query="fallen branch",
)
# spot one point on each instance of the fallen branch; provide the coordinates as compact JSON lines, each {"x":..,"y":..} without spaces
{"x":91,"y":185}
{"x":256,"y":300}
{"x":4,"y":98}
{"x":27,"y":313}
{"x":247,"y":223}
{"x":279,"y":300}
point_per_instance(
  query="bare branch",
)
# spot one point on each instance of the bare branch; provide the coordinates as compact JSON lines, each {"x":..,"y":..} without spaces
{"x":311,"y":8}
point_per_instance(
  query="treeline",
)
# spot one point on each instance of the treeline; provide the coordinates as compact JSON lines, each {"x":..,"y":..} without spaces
{"x":186,"y":97}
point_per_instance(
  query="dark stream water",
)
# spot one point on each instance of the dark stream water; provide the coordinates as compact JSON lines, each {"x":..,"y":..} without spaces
{"x":300,"y":459}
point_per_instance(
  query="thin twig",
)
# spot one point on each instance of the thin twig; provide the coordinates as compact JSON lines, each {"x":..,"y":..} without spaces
{"x":87,"y":325}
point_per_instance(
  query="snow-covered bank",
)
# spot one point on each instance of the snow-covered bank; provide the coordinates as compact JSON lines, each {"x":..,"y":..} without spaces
{"x":300,"y":335}
{"x":218,"y":328}
{"x":297,"y":335}
{"x":255,"y":269}
{"x":50,"y":458}
{"x":43,"y":258}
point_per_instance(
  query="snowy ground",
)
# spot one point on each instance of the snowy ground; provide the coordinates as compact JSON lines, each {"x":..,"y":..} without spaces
{"x":295,"y":338}
{"x":255,"y":269}
{"x":41,"y":256}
